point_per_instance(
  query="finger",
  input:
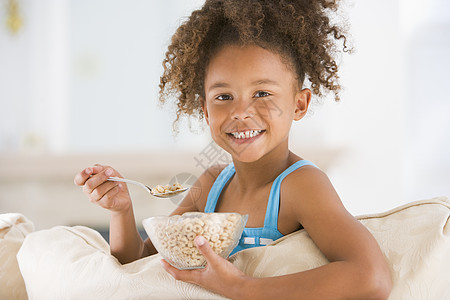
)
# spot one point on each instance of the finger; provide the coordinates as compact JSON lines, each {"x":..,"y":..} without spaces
{"x":206,"y":250}
{"x":81,"y":178}
{"x":105,"y":192}
{"x":108,"y":199}
{"x":103,"y":167}
{"x":95,"y":180}
{"x":183,"y":275}
{"x":170,"y":269}
{"x":98,"y":168}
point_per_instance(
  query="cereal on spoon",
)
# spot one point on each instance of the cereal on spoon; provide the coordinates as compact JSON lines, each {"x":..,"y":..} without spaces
{"x":163,"y":189}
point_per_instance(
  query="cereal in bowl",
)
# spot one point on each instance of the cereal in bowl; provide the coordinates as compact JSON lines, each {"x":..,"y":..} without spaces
{"x":174,"y":236}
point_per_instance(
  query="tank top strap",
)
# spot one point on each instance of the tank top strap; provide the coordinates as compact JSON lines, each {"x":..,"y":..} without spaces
{"x":273,"y":205}
{"x":217,"y":187}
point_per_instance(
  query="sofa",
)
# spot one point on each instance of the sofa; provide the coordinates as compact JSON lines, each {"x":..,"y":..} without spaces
{"x":73,"y":262}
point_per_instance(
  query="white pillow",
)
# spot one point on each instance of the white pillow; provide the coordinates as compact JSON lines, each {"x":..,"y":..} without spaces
{"x":13,"y":229}
{"x":74,"y":263}
{"x":415,"y":239}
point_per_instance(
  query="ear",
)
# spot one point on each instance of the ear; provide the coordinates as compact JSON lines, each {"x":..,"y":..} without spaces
{"x":205,"y":109}
{"x":302,"y":100}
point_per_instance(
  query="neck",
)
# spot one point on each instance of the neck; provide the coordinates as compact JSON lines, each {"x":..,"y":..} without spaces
{"x":254,"y":175}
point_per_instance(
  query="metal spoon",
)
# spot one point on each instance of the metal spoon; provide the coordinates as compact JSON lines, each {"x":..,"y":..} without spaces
{"x":149,"y":189}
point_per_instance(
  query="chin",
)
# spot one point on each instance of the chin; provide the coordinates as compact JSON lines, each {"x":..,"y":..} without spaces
{"x":245,"y":155}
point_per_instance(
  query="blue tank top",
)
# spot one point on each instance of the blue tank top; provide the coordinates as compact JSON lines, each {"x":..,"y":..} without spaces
{"x":255,"y":237}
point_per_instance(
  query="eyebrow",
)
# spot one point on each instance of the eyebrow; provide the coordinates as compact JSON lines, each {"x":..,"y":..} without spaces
{"x":265,"y":81}
{"x":256,"y":82}
{"x":218,"y":85}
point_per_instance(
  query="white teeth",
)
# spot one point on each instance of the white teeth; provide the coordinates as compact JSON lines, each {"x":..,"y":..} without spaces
{"x":246,"y":134}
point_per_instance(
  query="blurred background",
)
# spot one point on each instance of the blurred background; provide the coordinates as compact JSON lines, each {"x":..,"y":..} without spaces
{"x":79,"y":85}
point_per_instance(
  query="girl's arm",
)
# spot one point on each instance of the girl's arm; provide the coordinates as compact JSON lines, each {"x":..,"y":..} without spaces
{"x":126,"y":243}
{"x":357,"y":268}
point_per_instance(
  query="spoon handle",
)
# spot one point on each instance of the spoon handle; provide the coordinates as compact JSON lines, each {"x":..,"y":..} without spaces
{"x":132,"y":182}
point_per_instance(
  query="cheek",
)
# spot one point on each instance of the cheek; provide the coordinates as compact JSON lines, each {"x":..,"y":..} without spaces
{"x":214,"y":118}
{"x":272,"y":111}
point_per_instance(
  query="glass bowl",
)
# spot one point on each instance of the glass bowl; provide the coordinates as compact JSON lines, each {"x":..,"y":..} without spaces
{"x":174,"y":236}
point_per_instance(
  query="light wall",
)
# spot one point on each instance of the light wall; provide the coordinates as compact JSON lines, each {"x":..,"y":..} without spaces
{"x":79,"y":85}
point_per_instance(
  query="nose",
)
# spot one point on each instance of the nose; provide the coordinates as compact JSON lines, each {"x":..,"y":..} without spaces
{"x":242,"y":110}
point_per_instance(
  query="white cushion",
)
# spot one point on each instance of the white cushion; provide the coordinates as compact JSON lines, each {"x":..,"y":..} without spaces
{"x":13,"y":229}
{"x":74,"y":262}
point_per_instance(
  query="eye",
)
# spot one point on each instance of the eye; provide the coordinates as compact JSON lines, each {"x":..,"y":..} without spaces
{"x":224,"y":97}
{"x":261,"y":94}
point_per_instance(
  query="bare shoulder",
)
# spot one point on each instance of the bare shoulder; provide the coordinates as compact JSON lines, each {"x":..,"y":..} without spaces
{"x":305,"y":181}
{"x":315,"y":204}
{"x":309,"y":192}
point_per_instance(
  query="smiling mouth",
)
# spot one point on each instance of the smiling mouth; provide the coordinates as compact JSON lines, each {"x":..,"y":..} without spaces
{"x":247,"y":134}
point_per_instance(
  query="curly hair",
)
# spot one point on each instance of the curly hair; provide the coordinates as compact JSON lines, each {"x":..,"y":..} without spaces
{"x":300,"y":31}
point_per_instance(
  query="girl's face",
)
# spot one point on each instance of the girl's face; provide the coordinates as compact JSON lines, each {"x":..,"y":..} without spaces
{"x":251,"y":99}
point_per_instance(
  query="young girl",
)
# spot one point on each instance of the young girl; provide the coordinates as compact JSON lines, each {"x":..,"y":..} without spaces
{"x":241,"y":64}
